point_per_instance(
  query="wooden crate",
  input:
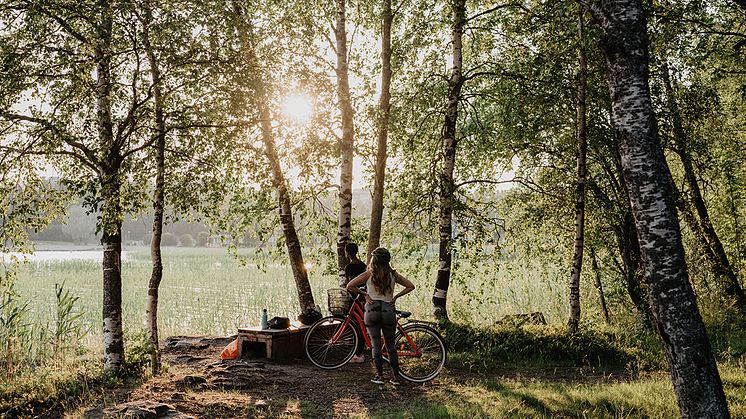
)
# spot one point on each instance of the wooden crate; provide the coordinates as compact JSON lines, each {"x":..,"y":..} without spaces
{"x":272,"y":344}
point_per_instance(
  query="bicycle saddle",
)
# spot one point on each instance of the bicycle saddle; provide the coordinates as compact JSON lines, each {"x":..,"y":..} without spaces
{"x":403,"y":314}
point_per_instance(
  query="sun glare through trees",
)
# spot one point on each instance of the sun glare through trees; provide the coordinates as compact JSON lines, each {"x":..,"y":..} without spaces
{"x":298,"y":108}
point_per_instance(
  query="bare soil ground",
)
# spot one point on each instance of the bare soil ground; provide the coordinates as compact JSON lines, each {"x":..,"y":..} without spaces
{"x":198,"y":384}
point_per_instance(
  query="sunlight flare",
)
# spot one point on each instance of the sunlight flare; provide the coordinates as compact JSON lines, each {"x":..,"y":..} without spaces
{"x":298,"y":108}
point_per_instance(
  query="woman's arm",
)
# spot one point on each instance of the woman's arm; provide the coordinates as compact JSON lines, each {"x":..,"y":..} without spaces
{"x":359,"y":280}
{"x":407,"y":284}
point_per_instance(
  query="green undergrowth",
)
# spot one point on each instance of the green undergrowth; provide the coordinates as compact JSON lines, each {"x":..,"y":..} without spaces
{"x":727,"y":333}
{"x":631,"y":347}
{"x":61,"y":382}
{"x":49,"y":387}
{"x":548,"y":346}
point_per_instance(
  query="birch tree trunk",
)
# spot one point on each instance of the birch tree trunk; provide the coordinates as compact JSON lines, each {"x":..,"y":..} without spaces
{"x":292,"y":242}
{"x":714,"y":250}
{"x":625,"y":234}
{"x":629,"y":249}
{"x":295,"y":254}
{"x":384,"y":106}
{"x":346,"y":143}
{"x":111,"y":211}
{"x":577,"y":257}
{"x":151,"y":305}
{"x":599,"y":287}
{"x":694,"y":374}
{"x":447,"y":186}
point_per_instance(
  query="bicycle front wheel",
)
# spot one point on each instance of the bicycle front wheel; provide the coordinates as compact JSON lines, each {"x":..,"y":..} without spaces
{"x":421,"y":351}
{"x":330,"y":343}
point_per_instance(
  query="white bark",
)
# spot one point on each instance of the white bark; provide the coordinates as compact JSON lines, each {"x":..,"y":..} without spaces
{"x":346,"y":143}
{"x":694,"y":373}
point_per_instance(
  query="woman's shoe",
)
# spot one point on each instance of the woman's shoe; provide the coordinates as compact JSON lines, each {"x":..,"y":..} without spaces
{"x":377,"y":379}
{"x":395,"y":380}
{"x":357,"y":359}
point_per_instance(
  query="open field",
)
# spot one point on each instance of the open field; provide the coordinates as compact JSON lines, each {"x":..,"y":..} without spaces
{"x":207,"y":291}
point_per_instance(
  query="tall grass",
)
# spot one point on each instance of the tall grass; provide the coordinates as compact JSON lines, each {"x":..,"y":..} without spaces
{"x":207,"y":291}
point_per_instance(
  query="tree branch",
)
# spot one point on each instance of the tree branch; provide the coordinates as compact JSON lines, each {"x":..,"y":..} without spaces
{"x":490,"y":181}
{"x":496,"y":8}
{"x":65,"y":137}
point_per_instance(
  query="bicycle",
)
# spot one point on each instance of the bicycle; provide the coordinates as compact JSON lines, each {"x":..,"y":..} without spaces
{"x":331,"y":342}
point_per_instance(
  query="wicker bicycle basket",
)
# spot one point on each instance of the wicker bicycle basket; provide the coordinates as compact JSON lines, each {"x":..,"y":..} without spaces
{"x":339,"y":301}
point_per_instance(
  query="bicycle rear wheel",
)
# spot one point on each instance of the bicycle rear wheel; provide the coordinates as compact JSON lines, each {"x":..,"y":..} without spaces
{"x":329,"y":343}
{"x":421,"y":351}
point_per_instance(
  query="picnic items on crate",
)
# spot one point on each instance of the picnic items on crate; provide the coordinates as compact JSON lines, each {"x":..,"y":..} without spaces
{"x":279,"y":323}
{"x":310,"y":316}
{"x":263,"y":320}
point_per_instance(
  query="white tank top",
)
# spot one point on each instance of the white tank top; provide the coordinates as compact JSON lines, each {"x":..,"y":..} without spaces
{"x":373,"y":292}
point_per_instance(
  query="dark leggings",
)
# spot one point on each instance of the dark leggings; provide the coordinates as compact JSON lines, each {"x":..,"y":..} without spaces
{"x":380,"y":317}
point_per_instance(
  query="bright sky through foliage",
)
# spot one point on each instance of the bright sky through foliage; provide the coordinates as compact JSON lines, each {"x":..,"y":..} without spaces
{"x":298,"y":108}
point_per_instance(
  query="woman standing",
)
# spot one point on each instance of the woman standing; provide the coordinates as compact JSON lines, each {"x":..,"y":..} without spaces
{"x":380,"y":310}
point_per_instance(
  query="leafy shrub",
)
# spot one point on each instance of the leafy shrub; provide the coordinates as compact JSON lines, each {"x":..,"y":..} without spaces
{"x":186,"y":240}
{"x":727,"y":333}
{"x":203,"y":238}
{"x":137,"y":356}
{"x":169,"y":239}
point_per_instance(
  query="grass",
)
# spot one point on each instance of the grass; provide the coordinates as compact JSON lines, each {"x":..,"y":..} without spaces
{"x":534,"y":398}
{"x":647,"y":397}
{"x":207,"y":291}
{"x":61,"y":380}
{"x":204,"y":291}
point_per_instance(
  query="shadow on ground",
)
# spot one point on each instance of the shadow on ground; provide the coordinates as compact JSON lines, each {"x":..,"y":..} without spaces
{"x":198,"y":384}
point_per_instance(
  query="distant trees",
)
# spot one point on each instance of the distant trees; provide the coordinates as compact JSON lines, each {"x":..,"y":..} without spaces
{"x":168,"y":239}
{"x":186,"y":240}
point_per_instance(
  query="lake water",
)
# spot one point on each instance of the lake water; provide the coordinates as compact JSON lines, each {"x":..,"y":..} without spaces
{"x":60,"y":255}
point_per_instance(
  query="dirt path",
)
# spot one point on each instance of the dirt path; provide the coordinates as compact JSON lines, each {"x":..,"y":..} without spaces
{"x":200,"y":385}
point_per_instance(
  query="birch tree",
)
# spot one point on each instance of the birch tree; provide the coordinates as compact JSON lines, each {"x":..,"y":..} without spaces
{"x":261,"y":99}
{"x":151,"y":305}
{"x":346,"y":141}
{"x":92,"y":88}
{"x":577,"y":257}
{"x":694,"y":373}
{"x":702,"y":224}
{"x":449,"y":143}
{"x":382,"y":127}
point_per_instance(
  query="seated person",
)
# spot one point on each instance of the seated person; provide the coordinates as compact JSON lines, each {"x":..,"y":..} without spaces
{"x":352,"y":270}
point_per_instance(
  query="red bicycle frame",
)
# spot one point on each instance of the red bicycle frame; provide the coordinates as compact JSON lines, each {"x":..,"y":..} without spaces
{"x":357,"y":315}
